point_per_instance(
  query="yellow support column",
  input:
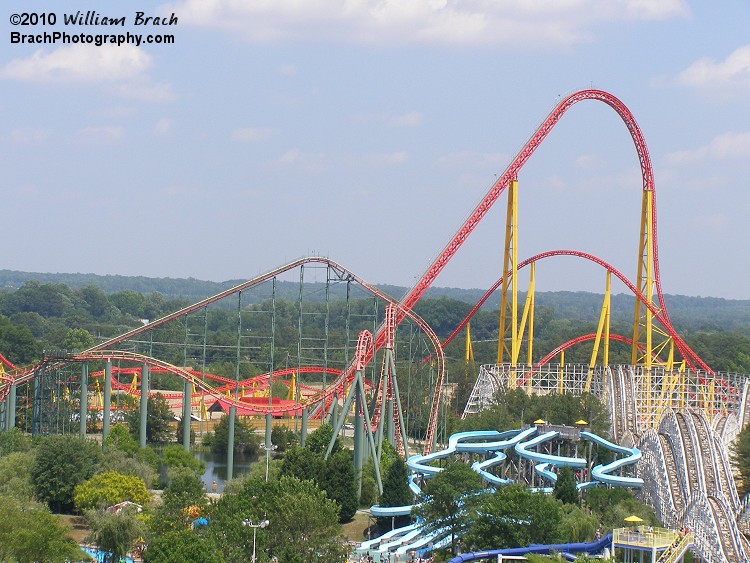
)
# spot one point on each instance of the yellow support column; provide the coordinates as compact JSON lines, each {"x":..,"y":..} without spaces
{"x":561,"y":374}
{"x":601,"y":331}
{"x":292,"y":392}
{"x":642,"y":316}
{"x":509,"y":305}
{"x":527,"y":319}
{"x":469,"y":356}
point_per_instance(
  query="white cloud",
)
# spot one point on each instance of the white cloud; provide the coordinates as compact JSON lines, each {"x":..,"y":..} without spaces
{"x":295,"y":158}
{"x":163,"y":127}
{"x":288,"y":70}
{"x":387,"y":159}
{"x":79,"y":63}
{"x":656,"y":9}
{"x":408,"y":119}
{"x":29,"y":136}
{"x":722,"y":147}
{"x":588,"y":162}
{"x":473,"y":158}
{"x":538,"y":23}
{"x":411,"y":119}
{"x":100,"y":135}
{"x":143,"y":89}
{"x":122,"y":71}
{"x":253,"y":134}
{"x":732,"y":75}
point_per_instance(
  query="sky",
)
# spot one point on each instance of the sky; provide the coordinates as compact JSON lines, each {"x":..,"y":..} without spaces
{"x":367,"y":130}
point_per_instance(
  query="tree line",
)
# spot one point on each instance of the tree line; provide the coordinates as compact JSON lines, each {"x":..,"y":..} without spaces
{"x":38,"y":316}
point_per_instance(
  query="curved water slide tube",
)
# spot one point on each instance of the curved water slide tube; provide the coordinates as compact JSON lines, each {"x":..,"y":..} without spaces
{"x":524,"y":450}
{"x":412,"y":537}
{"x":603,"y":472}
{"x":397,"y":536}
{"x":591,"y":547}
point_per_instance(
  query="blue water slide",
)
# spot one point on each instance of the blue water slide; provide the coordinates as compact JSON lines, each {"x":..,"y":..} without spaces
{"x":388,"y":536}
{"x":494,"y":444}
{"x":524,"y":450}
{"x":406,"y":539}
{"x":456,"y":443}
{"x":542,"y":470}
{"x":591,"y":547}
{"x":481,"y":468}
{"x":434,"y":539}
{"x":388,"y":511}
{"x":602,"y":473}
{"x":514,"y":437}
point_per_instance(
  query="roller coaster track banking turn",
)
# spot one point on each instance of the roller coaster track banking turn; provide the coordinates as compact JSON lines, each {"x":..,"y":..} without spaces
{"x":648,"y":279}
{"x":691,"y":357}
{"x":648,"y":275}
{"x":104,"y":350}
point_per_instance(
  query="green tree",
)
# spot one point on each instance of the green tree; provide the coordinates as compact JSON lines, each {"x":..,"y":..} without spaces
{"x":396,"y":492}
{"x":115,"y":532}
{"x":303,"y":464}
{"x":184,"y":498}
{"x":77,"y":339}
{"x":318,"y":440}
{"x":109,"y":488}
{"x":14,"y":441}
{"x":15,"y":481}
{"x":446,"y":499}
{"x":177,"y":456}
{"x":49,"y":300}
{"x":120,"y":439}
{"x":283,"y":438}
{"x":612,"y":506}
{"x":137,"y":465}
{"x":303,"y":523}
{"x":185,"y":489}
{"x":178,"y":546}
{"x":577,"y":524}
{"x":159,"y":417}
{"x":32,"y":533}
{"x":335,"y":475}
{"x":740,"y":456}
{"x":339,"y":484}
{"x":96,"y":301}
{"x":565,"y":486}
{"x":245,"y":440}
{"x":129,"y":302}
{"x":513,"y":516}
{"x":17,"y":343}
{"x":62,"y":462}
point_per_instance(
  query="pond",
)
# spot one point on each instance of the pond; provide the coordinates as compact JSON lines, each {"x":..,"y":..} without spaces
{"x":216,"y":467}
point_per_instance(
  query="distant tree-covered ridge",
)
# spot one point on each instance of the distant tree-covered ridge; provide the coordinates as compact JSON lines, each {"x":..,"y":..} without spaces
{"x":686,"y":312}
{"x":42,"y":316}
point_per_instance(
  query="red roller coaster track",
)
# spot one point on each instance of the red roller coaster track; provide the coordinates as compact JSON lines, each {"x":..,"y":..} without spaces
{"x":690,"y":356}
{"x":404,"y":308}
{"x":511,"y":172}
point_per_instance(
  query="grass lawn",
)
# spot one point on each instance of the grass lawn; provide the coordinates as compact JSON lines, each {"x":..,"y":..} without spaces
{"x":78,"y":528}
{"x":356,"y":529}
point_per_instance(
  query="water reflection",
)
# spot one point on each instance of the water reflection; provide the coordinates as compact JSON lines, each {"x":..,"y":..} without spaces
{"x":216,"y":467}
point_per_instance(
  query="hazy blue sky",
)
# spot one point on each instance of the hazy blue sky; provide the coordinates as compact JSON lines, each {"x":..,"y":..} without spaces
{"x":366,"y":131}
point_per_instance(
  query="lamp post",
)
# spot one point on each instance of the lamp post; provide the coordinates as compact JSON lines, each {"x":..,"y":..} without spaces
{"x":261,"y":524}
{"x":268,"y":449}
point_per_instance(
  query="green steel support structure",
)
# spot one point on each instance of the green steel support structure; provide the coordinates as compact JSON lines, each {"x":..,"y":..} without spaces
{"x":144,"y":405}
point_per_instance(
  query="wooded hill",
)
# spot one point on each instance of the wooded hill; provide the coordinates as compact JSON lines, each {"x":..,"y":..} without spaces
{"x":686,"y":313}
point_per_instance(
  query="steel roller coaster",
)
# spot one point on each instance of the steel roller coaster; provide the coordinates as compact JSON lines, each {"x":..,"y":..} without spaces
{"x":664,"y":380}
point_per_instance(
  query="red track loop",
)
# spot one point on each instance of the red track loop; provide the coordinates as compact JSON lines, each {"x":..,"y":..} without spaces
{"x":691,"y":357}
